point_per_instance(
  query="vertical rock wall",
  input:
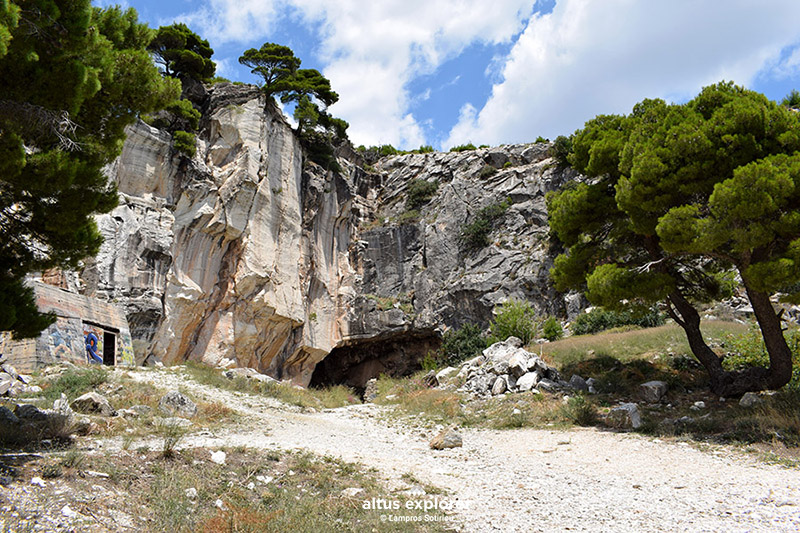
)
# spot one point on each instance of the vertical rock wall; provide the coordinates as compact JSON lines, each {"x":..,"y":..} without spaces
{"x":246,"y":252}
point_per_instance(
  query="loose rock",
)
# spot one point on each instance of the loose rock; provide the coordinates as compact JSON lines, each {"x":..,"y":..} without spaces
{"x":750,"y":399}
{"x":653,"y":391}
{"x":92,"y":402}
{"x":176,"y":404}
{"x":625,"y":415}
{"x":448,"y":438}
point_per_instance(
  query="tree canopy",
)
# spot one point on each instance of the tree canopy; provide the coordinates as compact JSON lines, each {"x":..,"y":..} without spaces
{"x":275,"y":63}
{"x":283,"y":76}
{"x":677,"y":198}
{"x":183,"y":53}
{"x":73,"y":77}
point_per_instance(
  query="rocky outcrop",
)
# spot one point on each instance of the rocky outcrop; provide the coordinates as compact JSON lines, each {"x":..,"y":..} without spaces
{"x":247,"y":251}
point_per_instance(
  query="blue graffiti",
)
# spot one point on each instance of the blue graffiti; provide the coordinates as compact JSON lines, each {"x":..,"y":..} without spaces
{"x":91,"y":349}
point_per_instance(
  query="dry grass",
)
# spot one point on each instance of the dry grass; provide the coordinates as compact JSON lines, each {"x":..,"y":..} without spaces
{"x":259,"y":491}
{"x":327,"y":398}
{"x":625,"y":344}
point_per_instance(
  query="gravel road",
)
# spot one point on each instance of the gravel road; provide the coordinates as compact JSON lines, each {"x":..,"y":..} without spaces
{"x":529,"y":479}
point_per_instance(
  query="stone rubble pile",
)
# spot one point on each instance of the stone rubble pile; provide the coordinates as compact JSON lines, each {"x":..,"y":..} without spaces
{"x":12,"y":383}
{"x":506,"y":367}
{"x":22,"y":423}
{"x":26,"y":423}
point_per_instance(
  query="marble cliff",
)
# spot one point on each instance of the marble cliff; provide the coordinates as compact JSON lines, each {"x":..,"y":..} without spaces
{"x":248,"y":251}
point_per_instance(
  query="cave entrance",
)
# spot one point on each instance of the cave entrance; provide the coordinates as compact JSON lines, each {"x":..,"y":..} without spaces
{"x":359,"y":361}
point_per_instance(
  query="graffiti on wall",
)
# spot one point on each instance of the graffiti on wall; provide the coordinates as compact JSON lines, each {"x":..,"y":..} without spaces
{"x":126,"y":349}
{"x":94,"y":343}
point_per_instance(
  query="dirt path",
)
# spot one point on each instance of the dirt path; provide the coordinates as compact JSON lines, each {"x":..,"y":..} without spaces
{"x":529,"y":480}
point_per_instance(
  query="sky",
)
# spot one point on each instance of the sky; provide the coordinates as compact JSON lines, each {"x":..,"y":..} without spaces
{"x":448,"y":72}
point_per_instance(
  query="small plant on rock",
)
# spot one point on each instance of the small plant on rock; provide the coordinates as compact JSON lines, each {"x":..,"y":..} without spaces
{"x":420,"y":193}
{"x":551,"y":329}
{"x":515,"y":318}
{"x":460,"y":344}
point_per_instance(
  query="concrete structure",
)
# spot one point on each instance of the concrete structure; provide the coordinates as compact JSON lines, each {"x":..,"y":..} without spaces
{"x":78,"y":317}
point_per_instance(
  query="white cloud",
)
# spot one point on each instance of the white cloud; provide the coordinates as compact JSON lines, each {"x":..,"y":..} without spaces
{"x":602,"y":56}
{"x":373,"y":49}
{"x":789,"y":66}
{"x":223,"y":21}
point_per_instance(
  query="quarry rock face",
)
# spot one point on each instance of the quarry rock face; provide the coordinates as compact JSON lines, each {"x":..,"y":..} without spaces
{"x":247,"y":251}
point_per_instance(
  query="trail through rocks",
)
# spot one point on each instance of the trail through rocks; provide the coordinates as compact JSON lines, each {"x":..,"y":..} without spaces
{"x":528,"y":479}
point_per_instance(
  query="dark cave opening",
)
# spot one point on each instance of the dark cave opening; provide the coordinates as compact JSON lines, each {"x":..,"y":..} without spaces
{"x":357,"y":362}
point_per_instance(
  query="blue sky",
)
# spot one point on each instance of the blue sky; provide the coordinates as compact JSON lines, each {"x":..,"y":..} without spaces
{"x":447,"y":72}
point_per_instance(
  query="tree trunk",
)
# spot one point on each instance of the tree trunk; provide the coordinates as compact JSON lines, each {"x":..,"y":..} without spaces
{"x":779,"y":372}
{"x":753,"y":379}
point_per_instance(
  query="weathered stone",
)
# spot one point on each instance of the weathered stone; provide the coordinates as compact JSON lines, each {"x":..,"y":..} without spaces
{"x":218,"y":457}
{"x":30,"y":413}
{"x":528,"y":381}
{"x":623,"y":416}
{"x":445,"y":374}
{"x":552,"y":374}
{"x":500,"y":367}
{"x":448,"y":438}
{"x":475,"y":361}
{"x":248,"y":373}
{"x":578,"y":383}
{"x":750,"y":399}
{"x":653,"y":391}
{"x":353,"y":492}
{"x":176,"y":404}
{"x":590,"y":383}
{"x":9,"y":424}
{"x":241,"y":372}
{"x":514,"y":342}
{"x":5,"y":383}
{"x":429,"y":379}
{"x":548,"y":384}
{"x":518,"y":363}
{"x":479,"y":384}
{"x":92,"y":402}
{"x":499,"y":386}
{"x":535,"y":364}
{"x":10,"y":370}
{"x":371,"y":390}
{"x":697,"y":406}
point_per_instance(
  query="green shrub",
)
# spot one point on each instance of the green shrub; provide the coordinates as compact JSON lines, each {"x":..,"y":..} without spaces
{"x":420,"y":193}
{"x":409,"y":217}
{"x":75,"y":382}
{"x":541,"y":139}
{"x":487,"y":171}
{"x":463,"y":147}
{"x":426,"y":149}
{"x":748,"y":349}
{"x":579,"y":411}
{"x":515,"y":318}
{"x":387,"y":150}
{"x":475,"y":235}
{"x":184,"y":142}
{"x":599,"y":319}
{"x":461,"y":344}
{"x":551,"y":329}
{"x":561,"y":149}
{"x":508,"y":164}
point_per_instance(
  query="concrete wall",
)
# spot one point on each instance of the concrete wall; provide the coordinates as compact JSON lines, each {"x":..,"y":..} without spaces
{"x":64,"y":340}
